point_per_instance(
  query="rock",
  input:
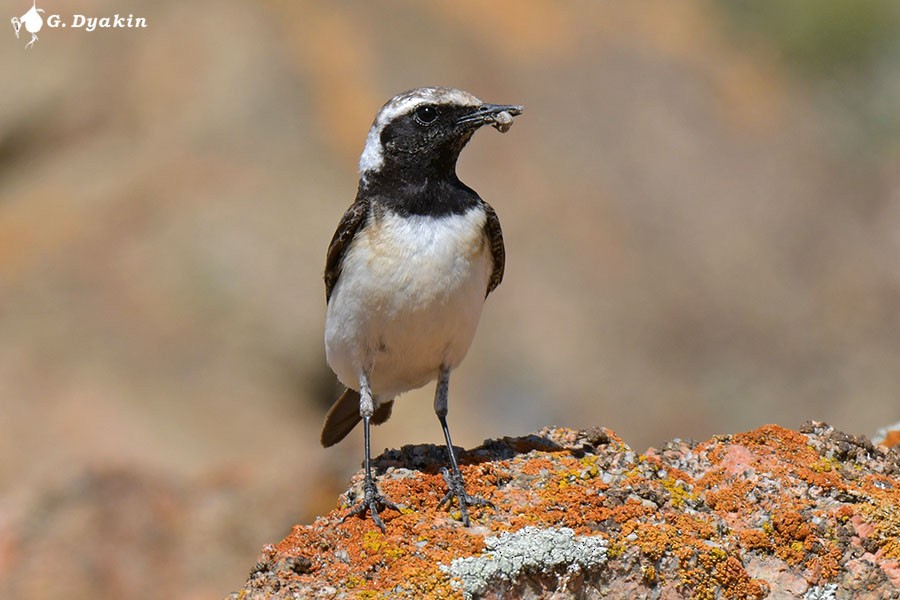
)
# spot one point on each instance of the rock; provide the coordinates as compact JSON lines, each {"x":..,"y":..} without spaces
{"x":767,"y":513}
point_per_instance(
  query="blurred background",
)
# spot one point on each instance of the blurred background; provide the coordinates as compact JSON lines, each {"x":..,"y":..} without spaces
{"x":701,"y":208}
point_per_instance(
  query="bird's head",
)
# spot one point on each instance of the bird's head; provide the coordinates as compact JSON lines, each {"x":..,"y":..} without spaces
{"x":17,"y":25}
{"x":420,"y":133}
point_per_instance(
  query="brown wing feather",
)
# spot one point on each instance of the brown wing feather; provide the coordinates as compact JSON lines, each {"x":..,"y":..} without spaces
{"x":346,"y":230}
{"x":495,"y":239}
{"x":343,"y":416}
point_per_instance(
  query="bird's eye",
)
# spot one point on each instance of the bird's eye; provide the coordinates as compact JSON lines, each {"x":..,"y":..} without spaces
{"x":426,"y":115}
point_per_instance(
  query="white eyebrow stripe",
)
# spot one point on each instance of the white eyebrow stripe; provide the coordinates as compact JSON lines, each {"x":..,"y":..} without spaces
{"x":372,"y":157}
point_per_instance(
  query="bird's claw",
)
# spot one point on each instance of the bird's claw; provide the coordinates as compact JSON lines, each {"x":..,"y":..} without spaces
{"x":371,"y":500}
{"x":455,"y":489}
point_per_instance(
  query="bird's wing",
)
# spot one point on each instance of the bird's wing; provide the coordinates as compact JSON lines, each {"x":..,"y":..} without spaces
{"x":346,"y":230}
{"x":495,"y":238}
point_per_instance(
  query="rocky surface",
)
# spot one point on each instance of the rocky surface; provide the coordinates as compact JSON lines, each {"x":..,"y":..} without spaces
{"x":773,"y":512}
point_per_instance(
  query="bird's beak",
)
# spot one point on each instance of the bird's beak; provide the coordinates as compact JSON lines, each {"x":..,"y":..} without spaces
{"x":499,"y":115}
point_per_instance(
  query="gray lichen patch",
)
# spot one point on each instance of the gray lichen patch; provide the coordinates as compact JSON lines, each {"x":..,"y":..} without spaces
{"x":821,"y":592}
{"x":529,"y":551}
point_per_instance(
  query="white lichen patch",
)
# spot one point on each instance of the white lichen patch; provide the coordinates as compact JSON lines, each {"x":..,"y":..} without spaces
{"x":821,"y":592}
{"x":530,"y":550}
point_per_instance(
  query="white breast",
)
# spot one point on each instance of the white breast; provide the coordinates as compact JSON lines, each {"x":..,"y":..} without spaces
{"x":408,"y":300}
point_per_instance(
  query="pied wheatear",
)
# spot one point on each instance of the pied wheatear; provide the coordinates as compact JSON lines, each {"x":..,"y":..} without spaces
{"x":408,"y":270}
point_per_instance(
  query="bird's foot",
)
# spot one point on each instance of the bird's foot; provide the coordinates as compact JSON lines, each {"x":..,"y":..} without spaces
{"x":371,"y":501}
{"x":455,"y":489}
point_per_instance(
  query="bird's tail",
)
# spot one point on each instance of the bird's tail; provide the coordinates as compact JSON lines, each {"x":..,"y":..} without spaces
{"x":343,"y":416}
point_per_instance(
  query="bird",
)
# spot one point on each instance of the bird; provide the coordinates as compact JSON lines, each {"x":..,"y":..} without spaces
{"x":408,"y":271}
{"x":32,"y":22}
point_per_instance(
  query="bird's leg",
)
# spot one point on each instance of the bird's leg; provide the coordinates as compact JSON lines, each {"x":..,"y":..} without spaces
{"x":455,"y":487}
{"x":372,"y":496}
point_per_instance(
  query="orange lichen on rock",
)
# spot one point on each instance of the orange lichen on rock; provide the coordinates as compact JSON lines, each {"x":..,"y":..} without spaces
{"x":729,"y":498}
{"x":724,"y":519}
{"x":892,"y":439}
{"x":883,"y":517}
{"x":715,"y":573}
{"x":755,"y":539}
